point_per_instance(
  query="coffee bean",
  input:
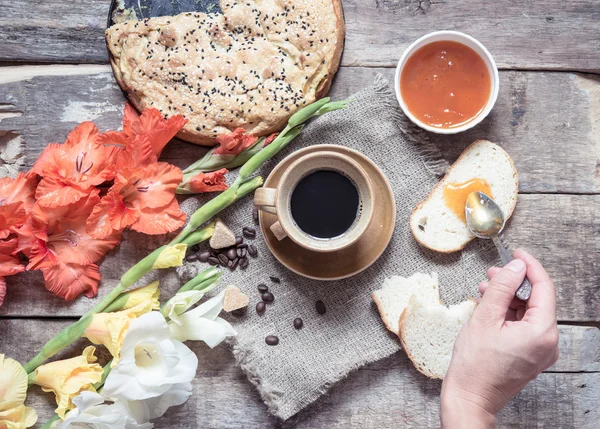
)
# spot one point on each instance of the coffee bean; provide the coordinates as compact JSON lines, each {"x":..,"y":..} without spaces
{"x":242,"y":253}
{"x":195,"y":248}
{"x":261,"y":307}
{"x":234,"y":265}
{"x":238,"y":240}
{"x":253,"y":251}
{"x":244,"y":262}
{"x":249,"y":232}
{"x":203,"y":257}
{"x":298,"y":323}
{"x":320,"y":307}
{"x":242,"y":246}
{"x":223,"y":259}
{"x":229,"y":263}
{"x":214,"y":252}
{"x":231,"y":254}
{"x":240,"y":312}
{"x":262,"y":288}
{"x":267,"y":297}
{"x":272,"y":340}
{"x":191,"y":257}
{"x":275,"y":279}
{"x":255,"y":214}
{"x":213,"y":261}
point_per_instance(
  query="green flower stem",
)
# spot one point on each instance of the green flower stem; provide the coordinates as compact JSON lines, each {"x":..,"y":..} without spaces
{"x":214,"y":206}
{"x":211,"y":162}
{"x":203,"y":280}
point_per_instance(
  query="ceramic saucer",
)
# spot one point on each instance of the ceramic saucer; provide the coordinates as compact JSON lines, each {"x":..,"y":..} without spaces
{"x":346,"y":262}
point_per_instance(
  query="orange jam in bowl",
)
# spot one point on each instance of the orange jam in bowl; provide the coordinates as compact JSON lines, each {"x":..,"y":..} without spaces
{"x":455,"y":195}
{"x":445,"y":84}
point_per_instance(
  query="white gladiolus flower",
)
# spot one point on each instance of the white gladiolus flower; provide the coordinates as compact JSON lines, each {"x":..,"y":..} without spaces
{"x":152,"y":408}
{"x":151,"y":363}
{"x":181,"y":303}
{"x":203,"y":323}
{"x":92,"y":412}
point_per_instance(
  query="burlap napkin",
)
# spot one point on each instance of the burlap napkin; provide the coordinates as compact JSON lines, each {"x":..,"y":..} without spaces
{"x":307,"y":362}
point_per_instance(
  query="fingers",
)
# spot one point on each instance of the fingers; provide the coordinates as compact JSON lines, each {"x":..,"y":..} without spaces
{"x":501,"y":289}
{"x":492,"y":272}
{"x":543,"y":293}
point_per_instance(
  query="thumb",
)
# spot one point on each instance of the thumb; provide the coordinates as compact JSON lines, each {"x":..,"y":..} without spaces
{"x":501,"y":290}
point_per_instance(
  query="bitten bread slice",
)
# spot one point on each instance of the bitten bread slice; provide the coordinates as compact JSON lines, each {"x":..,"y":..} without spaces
{"x":437,"y":227}
{"x":393,"y":297}
{"x":428,"y":332}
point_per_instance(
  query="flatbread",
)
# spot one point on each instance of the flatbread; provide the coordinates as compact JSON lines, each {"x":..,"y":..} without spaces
{"x":251,"y":67}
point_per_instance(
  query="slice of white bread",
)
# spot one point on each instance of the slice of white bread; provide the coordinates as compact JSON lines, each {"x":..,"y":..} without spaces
{"x":428,"y":332}
{"x":393,"y":297}
{"x":436,"y":226}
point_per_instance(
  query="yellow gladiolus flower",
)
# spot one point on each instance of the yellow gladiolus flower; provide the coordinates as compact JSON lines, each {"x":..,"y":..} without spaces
{"x":147,"y":293}
{"x":172,"y":256}
{"x":109,"y":329}
{"x":19,"y":417}
{"x":13,"y":391}
{"x":68,"y":378}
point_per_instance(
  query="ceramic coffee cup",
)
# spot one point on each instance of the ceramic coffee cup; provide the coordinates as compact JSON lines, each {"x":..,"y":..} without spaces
{"x":278,"y":201}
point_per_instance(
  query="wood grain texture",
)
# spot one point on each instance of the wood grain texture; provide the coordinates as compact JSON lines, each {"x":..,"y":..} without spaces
{"x":385,"y":394}
{"x":548,"y":35}
{"x":555,"y":144}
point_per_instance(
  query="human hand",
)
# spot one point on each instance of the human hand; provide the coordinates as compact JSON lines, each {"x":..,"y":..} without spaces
{"x":504,"y":345}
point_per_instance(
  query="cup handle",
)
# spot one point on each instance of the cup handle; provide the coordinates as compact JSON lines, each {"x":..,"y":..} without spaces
{"x":265,"y":199}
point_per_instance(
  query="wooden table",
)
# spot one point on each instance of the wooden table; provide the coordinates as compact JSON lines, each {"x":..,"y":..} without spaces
{"x":547,"y":117}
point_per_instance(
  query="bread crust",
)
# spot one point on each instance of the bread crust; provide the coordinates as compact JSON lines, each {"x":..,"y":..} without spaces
{"x":260,"y":124}
{"x":387,"y":323}
{"x":442,"y":182}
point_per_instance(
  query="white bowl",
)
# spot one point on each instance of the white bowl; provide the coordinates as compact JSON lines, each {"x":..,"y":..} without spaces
{"x":453,"y":36}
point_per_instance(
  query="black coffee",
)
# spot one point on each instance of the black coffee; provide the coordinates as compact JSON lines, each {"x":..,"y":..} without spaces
{"x":325,"y":204}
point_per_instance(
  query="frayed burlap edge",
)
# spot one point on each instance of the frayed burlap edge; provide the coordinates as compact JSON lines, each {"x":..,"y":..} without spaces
{"x":430,"y":154}
{"x":435,"y":163}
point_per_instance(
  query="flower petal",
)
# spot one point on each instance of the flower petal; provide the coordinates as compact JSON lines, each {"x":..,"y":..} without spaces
{"x":212,"y":332}
{"x":110,"y":215}
{"x":68,"y":281}
{"x":160,"y":220}
{"x":13,"y":383}
{"x":156,"y":184}
{"x":234,"y":143}
{"x":2,"y":290}
{"x":180,"y":303}
{"x":53,"y":192}
{"x":160,"y":131}
{"x":208,"y":182}
{"x":153,"y":408}
{"x":171,"y":256}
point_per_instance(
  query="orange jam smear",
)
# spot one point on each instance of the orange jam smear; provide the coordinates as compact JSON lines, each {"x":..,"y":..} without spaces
{"x":445,"y":84}
{"x":455,"y":195}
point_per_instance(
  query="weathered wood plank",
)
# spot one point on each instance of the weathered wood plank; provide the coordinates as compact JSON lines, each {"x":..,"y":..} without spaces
{"x":549,"y":122}
{"x":385,"y":394}
{"x":549,"y":35}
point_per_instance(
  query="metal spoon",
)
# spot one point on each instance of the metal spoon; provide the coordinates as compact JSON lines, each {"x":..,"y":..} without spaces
{"x":486,"y":220}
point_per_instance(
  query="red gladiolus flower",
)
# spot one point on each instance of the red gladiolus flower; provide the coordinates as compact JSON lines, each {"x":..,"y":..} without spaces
{"x":9,"y":264}
{"x":150,"y":123}
{"x":142,"y":198}
{"x":234,"y":143}
{"x":208,"y":182}
{"x":270,"y":139}
{"x":71,"y":171}
{"x":17,"y":197}
{"x":56,"y":242}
